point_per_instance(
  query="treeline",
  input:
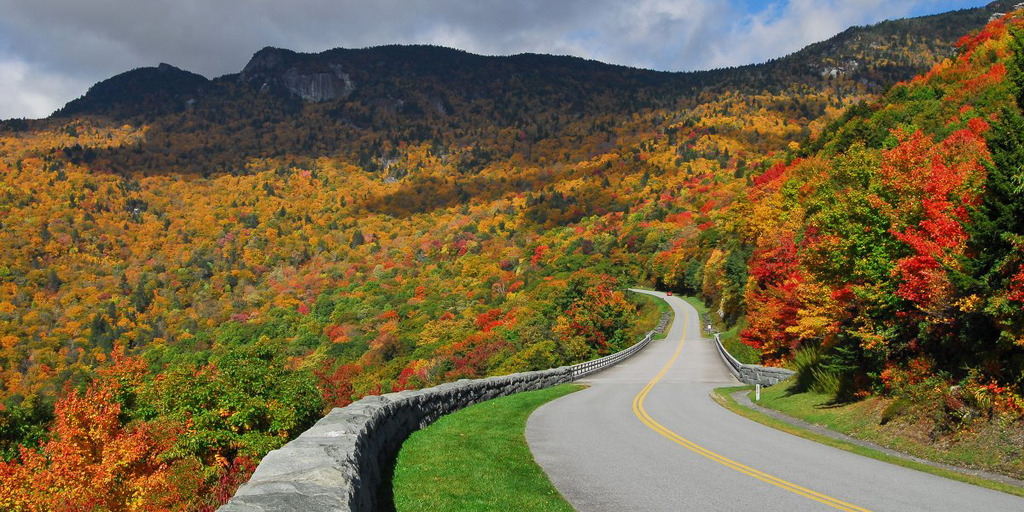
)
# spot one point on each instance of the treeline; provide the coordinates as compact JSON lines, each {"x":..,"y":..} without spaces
{"x":885,"y":256}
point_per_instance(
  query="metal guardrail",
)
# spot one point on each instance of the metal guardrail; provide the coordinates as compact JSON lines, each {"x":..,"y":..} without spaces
{"x":595,"y":365}
{"x":734,"y":365}
{"x":751,"y":373}
{"x":730,"y":361}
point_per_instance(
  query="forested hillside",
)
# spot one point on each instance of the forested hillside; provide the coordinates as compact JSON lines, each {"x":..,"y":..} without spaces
{"x":886,"y":256}
{"x":194,"y":271}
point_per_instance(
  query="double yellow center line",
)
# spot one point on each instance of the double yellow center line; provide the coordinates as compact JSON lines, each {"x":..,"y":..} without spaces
{"x":638,"y":408}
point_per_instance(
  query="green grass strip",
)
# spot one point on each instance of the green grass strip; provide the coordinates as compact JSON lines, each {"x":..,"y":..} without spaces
{"x":697,"y":304}
{"x":724,"y":397}
{"x":651,"y":314}
{"x":730,"y":337}
{"x":478,"y":459}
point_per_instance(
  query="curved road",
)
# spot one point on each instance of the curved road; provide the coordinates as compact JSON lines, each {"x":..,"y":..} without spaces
{"x":647,"y":436}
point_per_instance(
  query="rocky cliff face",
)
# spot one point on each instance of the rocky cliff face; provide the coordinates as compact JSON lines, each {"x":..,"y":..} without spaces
{"x":317,"y":87}
{"x":274,"y":69}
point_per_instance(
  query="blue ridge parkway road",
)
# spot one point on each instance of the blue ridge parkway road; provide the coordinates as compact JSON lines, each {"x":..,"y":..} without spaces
{"x":646,"y":436}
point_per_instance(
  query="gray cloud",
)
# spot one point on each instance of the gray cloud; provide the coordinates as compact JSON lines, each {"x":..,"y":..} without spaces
{"x":52,"y":50}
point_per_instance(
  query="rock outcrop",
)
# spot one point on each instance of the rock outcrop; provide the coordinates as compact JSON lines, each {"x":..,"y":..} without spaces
{"x":314,"y":82}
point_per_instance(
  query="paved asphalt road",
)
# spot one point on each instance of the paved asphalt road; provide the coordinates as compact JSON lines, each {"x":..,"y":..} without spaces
{"x":623,"y":445}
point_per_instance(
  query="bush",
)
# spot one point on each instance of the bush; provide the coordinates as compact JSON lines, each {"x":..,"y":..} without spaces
{"x":814,"y":374}
{"x":898,"y":407}
{"x":807,"y":360}
{"x":828,"y":382}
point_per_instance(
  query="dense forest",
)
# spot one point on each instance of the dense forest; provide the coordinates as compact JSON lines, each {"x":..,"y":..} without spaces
{"x":194,"y":271}
{"x":885,"y":255}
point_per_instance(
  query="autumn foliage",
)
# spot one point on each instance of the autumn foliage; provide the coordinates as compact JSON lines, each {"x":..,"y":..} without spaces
{"x":895,"y":246}
{"x":180,"y":294}
{"x":94,"y":461}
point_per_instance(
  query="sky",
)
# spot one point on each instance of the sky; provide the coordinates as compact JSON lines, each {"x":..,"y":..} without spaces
{"x":51,"y":51}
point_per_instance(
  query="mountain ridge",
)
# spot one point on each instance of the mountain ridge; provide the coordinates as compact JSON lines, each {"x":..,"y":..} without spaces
{"x":363,"y":103}
{"x":834,"y":57}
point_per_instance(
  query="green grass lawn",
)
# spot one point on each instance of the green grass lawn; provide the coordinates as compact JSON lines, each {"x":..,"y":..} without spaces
{"x":817,"y":408}
{"x":990,"y":445}
{"x":730,"y":338}
{"x":477,"y":459}
{"x":861,"y":420}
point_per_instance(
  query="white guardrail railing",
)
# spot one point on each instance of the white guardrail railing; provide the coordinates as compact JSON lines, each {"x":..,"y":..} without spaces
{"x":583,"y":369}
{"x":751,"y":373}
{"x":734,"y":365}
{"x":596,"y":365}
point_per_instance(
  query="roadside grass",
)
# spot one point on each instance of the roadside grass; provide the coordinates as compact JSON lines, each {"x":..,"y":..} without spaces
{"x":741,"y":351}
{"x":651,"y":309}
{"x":989,"y":445}
{"x":697,"y":304}
{"x":730,"y":338}
{"x":477,"y":459}
{"x":859,"y":420}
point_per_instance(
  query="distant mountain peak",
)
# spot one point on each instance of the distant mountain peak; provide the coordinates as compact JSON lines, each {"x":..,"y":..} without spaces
{"x":267,"y":59}
{"x":154,"y":90}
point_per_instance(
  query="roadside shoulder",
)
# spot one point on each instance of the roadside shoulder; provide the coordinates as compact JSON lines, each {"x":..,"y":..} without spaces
{"x":737,"y":400}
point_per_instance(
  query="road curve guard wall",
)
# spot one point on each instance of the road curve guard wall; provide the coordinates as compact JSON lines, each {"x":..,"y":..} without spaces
{"x":751,"y":373}
{"x":584,"y":369}
{"x":339,"y":463}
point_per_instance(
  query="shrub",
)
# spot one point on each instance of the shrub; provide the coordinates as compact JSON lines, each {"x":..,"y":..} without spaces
{"x":807,"y":360}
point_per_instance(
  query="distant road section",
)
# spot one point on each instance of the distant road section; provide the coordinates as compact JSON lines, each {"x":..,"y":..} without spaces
{"x":646,"y":436}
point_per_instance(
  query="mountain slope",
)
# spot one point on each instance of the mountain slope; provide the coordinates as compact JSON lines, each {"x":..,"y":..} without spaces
{"x":883,"y":257}
{"x":362,"y":101}
{"x":322,"y":227}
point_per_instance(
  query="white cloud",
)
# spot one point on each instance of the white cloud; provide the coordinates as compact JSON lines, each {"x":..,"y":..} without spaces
{"x":781,"y":29}
{"x":33,"y":93}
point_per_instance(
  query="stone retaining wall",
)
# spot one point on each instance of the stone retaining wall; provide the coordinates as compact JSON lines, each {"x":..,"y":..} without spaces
{"x":751,"y":373}
{"x":339,"y":463}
